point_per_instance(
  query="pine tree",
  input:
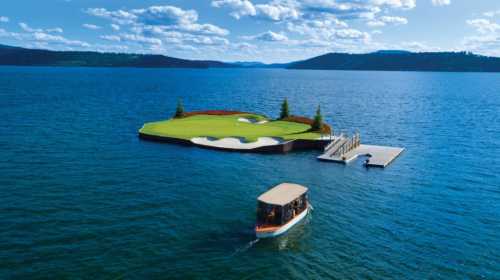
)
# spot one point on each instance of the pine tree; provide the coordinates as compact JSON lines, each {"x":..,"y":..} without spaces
{"x":318,"y":120}
{"x":179,"y":111}
{"x":285,"y":113}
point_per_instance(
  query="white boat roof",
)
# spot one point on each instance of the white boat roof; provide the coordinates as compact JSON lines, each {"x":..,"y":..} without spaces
{"x":282,"y":194}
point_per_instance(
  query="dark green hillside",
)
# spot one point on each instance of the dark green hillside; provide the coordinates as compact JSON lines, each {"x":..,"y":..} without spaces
{"x":402,"y":61}
{"x":31,"y":57}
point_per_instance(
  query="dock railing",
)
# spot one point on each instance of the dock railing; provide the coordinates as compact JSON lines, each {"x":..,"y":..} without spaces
{"x":335,"y":141}
{"x":348,"y":145}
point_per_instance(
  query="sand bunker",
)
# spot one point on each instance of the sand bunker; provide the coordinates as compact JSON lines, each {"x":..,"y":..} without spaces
{"x":250,"y":120}
{"x":236,"y":143}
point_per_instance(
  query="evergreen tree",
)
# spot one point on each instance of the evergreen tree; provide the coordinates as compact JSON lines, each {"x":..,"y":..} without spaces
{"x":179,"y":111}
{"x":285,"y":113}
{"x":318,"y":120}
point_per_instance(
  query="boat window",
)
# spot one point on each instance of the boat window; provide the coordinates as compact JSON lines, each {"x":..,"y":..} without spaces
{"x":269,"y":214}
{"x":294,"y":208}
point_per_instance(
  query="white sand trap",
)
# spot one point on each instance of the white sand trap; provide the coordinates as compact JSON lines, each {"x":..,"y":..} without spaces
{"x":236,"y":143}
{"x":247,"y":120}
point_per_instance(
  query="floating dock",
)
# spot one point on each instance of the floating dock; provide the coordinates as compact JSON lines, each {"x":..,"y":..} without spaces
{"x":344,"y":150}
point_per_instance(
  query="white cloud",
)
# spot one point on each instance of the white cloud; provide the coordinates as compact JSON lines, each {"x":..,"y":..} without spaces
{"x":206,"y":40}
{"x":239,"y":7}
{"x":55,"y":30}
{"x":140,"y":39}
{"x":41,"y":38}
{"x":492,"y":13}
{"x":484,"y":25}
{"x":441,"y":2}
{"x":44,"y":37}
{"x":344,"y":10}
{"x":394,"y":20}
{"x":485,"y":44}
{"x":382,"y":21}
{"x":111,"y":48}
{"x":416,"y":46}
{"x":14,"y":35}
{"x":401,"y":4}
{"x":4,"y":19}
{"x":167,"y":16}
{"x":268,"y":36}
{"x":322,"y":25}
{"x":207,"y":29}
{"x":3,"y":33}
{"x":27,"y":28}
{"x":277,"y":12}
{"x":317,"y":27}
{"x":111,"y":38}
{"x":487,"y":41}
{"x":91,"y":26}
{"x":159,"y":29}
{"x":245,"y":46}
{"x":351,"y":34}
{"x":119,"y":16}
{"x":274,"y":10}
{"x":375,"y":23}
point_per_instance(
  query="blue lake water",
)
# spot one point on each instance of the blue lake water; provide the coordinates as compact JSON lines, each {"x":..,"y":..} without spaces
{"x":82,"y":197}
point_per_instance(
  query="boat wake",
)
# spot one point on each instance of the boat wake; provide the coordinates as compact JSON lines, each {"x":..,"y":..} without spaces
{"x":245,"y":247}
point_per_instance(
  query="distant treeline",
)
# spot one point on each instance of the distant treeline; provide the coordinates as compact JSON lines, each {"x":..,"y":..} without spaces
{"x":381,"y":60}
{"x":32,"y":57}
{"x":402,"y":61}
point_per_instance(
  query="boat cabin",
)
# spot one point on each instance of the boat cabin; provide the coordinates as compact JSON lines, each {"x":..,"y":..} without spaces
{"x":279,"y":206}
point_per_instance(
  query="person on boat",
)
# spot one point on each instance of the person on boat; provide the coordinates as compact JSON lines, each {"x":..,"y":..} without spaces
{"x":271,"y":216}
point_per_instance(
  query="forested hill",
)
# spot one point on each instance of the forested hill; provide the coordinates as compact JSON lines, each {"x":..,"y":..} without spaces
{"x":34,"y":57}
{"x":382,"y":60}
{"x":402,"y":61}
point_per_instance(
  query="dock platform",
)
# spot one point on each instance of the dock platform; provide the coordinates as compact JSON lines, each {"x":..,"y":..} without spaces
{"x":378,"y":156}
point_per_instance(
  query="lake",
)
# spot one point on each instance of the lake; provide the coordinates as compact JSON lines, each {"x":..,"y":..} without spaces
{"x":83,"y":197}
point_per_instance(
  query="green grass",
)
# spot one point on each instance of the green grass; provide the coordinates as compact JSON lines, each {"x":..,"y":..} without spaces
{"x":228,"y":126}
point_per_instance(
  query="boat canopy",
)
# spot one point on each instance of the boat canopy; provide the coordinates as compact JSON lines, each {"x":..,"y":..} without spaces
{"x":282,"y":194}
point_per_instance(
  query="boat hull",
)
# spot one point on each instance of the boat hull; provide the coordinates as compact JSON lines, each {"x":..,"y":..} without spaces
{"x":281,"y":230}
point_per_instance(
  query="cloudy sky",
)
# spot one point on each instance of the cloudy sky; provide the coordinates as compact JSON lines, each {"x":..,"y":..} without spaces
{"x":252,"y":30}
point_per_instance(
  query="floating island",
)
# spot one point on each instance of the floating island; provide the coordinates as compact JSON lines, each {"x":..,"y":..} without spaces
{"x":238,"y":131}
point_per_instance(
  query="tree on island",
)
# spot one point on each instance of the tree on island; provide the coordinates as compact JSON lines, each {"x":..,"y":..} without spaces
{"x":179,"y":111}
{"x":318,"y":121}
{"x":285,"y":112}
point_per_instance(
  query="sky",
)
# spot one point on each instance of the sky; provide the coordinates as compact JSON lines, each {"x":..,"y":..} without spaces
{"x":252,"y":30}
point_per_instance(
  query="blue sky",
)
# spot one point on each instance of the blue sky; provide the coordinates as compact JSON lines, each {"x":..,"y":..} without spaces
{"x":252,"y":30}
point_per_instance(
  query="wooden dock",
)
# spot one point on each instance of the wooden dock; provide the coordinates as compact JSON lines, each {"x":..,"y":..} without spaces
{"x":344,"y":150}
{"x":378,"y":156}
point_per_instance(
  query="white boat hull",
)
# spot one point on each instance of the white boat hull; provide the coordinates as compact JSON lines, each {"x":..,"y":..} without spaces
{"x":285,"y":227}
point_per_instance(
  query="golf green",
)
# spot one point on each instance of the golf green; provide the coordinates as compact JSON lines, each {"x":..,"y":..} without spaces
{"x":247,"y":126}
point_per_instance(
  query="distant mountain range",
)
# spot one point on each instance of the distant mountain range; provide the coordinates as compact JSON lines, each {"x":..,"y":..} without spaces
{"x":402,"y":61}
{"x":33,"y":57}
{"x":386,"y":60}
{"x":255,"y":64}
